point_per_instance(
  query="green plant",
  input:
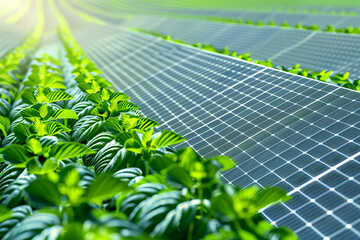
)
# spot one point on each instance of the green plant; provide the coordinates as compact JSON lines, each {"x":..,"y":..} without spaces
{"x":81,"y":162}
{"x":284,"y":24}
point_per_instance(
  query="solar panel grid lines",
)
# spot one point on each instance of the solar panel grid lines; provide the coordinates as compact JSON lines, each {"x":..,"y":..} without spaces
{"x":296,"y":45}
{"x":332,"y":52}
{"x":200,"y":75}
{"x":321,"y":20}
{"x":140,"y":97}
{"x":313,"y":201}
{"x":279,"y":41}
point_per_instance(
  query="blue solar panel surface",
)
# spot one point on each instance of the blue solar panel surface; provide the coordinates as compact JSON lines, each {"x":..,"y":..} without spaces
{"x":306,"y":19}
{"x":281,"y":129}
{"x":285,"y":47}
{"x":321,"y":15}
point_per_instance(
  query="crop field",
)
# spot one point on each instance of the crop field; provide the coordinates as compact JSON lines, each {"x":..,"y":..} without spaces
{"x":171,"y":120}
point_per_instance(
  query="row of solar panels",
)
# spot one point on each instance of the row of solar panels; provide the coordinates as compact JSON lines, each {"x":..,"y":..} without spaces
{"x":322,"y":20}
{"x":281,"y":129}
{"x":285,"y":47}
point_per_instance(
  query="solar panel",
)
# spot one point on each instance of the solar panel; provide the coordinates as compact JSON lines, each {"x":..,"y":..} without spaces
{"x":281,"y":129}
{"x":321,"y":19}
{"x":285,"y":47}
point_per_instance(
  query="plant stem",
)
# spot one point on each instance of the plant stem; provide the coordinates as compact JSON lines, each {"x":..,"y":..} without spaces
{"x":237,"y":226}
{"x":65,"y":122}
{"x":147,"y":167}
{"x":201,"y":195}
{"x":190,"y":232}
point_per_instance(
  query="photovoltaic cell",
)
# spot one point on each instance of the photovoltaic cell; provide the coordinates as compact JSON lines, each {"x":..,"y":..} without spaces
{"x":282,"y":130}
{"x":315,"y":50}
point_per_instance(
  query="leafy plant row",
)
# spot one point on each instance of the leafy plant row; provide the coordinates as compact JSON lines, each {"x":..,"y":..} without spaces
{"x":338,"y":79}
{"x":320,"y":11}
{"x":80,"y":161}
{"x":13,"y":67}
{"x":314,"y":27}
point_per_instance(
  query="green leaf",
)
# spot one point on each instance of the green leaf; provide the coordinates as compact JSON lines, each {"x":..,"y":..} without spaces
{"x":35,"y":167}
{"x":222,"y":203}
{"x":4,"y":125}
{"x":167,"y":138}
{"x":58,"y":95}
{"x":22,"y":131}
{"x":40,"y":94}
{"x":86,"y":128}
{"x":4,"y":213}
{"x":69,"y":150}
{"x":133,"y":145}
{"x":53,"y":128}
{"x":146,"y":137}
{"x":180,"y":174}
{"x":30,"y":113}
{"x":187,"y":157}
{"x":244,"y":202}
{"x":64,"y":113}
{"x":36,"y":226}
{"x":44,"y":191}
{"x":128,"y":122}
{"x":117,"y":96}
{"x":99,"y":112}
{"x":15,"y":154}
{"x":114,"y":123}
{"x":180,"y":217}
{"x":268,"y":196}
{"x":95,"y":98}
{"x":43,"y":110}
{"x":325,"y":76}
{"x":247,"y":235}
{"x":123,"y":137}
{"x":225,"y":161}
{"x":151,"y":178}
{"x":105,"y":94}
{"x":84,"y":86}
{"x":38,"y":127}
{"x":146,"y":123}
{"x":34,"y":146}
{"x":126,"y":106}
{"x":104,"y":187}
{"x":28,"y":96}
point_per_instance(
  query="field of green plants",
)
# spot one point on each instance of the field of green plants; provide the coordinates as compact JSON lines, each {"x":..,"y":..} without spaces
{"x":80,"y":160}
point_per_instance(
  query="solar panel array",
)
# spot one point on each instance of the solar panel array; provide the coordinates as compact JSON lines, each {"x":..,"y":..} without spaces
{"x":285,"y":47}
{"x":279,"y":16}
{"x":281,"y":129}
{"x":322,"y":20}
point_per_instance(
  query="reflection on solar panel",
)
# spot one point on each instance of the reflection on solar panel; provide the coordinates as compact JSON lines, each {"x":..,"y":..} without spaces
{"x":281,"y":129}
{"x":286,"y":47}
